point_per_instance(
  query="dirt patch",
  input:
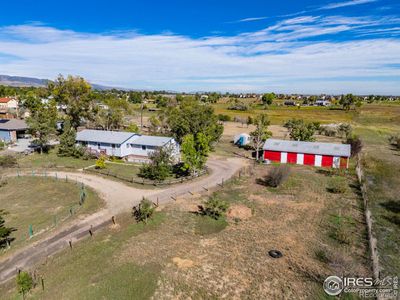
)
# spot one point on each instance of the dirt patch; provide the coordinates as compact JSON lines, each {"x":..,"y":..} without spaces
{"x":240,"y":212}
{"x":182,"y":263}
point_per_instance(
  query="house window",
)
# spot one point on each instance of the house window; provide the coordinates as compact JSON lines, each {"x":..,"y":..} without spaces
{"x":98,"y":145}
{"x":143,"y":147}
{"x":127,"y":145}
{"x":113,"y":146}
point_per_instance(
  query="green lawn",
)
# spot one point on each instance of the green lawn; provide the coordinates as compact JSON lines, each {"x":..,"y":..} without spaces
{"x":51,"y":160}
{"x":43,"y":203}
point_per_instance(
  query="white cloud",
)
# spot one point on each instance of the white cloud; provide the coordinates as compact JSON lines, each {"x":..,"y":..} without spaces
{"x":251,"y":19}
{"x":279,"y":57}
{"x":346,"y":3}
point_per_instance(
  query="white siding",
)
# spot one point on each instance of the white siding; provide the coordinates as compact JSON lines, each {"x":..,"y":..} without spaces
{"x":284,"y":157}
{"x":300,"y":159}
{"x":318,"y":160}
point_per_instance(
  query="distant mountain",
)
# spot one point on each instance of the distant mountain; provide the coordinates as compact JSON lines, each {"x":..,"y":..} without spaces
{"x":36,"y":82}
{"x":22,"y":81}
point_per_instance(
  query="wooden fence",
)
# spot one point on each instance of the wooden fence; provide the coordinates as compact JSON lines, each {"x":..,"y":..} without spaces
{"x":144,"y":181}
{"x":373,"y":243}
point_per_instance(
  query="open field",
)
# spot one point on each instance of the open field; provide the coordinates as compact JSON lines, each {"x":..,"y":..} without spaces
{"x":180,"y":254}
{"x":44,"y":203}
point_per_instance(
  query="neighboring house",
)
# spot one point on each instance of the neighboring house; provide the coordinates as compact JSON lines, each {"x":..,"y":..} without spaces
{"x":322,"y":102}
{"x":307,"y":153}
{"x":132,"y":147}
{"x":289,"y":103}
{"x":11,"y":130}
{"x":8,"y":106}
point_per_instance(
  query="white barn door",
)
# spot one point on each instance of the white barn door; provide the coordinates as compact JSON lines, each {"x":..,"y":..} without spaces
{"x":300,"y":159}
{"x":284,"y":157}
{"x":318,"y":160}
{"x":336,"y":162}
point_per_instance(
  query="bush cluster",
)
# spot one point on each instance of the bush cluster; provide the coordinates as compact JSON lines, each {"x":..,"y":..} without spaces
{"x":276,"y":176}
{"x":337,"y":185}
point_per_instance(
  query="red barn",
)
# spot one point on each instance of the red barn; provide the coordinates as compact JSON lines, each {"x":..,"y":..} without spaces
{"x":307,"y":153}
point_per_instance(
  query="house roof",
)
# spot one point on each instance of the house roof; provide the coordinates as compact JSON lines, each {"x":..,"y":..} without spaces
{"x":119,"y":137}
{"x":13,"y":124}
{"x":308,"y":147}
{"x":148,"y":140}
{"x":5,"y":100}
{"x":102,"y":136}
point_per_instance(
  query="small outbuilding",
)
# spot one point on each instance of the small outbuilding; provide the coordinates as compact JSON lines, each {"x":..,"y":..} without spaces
{"x":242,"y":139}
{"x":317,"y":154}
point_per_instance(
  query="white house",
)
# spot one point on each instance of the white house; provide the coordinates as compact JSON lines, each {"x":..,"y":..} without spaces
{"x":132,"y":147}
{"x":322,"y":102}
{"x":8,"y":104}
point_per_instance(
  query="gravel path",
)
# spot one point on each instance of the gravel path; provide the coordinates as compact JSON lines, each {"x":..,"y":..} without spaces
{"x":119,"y":198}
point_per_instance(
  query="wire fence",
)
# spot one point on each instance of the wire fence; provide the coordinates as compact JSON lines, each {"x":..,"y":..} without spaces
{"x":144,"y":181}
{"x":61,"y":215}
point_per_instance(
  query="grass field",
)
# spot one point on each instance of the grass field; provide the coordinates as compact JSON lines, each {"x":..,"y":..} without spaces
{"x":42,"y":203}
{"x":181,"y":255}
{"x":51,"y":160}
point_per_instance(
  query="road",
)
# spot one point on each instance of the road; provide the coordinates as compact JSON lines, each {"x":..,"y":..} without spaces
{"x":118,"y":198}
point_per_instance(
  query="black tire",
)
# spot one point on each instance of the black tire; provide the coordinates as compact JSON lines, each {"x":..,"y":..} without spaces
{"x":275,"y":253}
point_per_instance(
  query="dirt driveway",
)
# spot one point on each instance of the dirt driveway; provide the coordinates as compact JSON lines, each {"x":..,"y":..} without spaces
{"x":118,"y":197}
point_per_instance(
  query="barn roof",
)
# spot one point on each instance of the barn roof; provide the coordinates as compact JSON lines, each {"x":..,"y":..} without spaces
{"x":308,"y":147}
{"x":12,"y":124}
{"x":102,"y":136}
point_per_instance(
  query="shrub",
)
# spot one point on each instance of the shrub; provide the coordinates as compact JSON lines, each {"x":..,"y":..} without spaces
{"x":2,"y":145}
{"x":214,"y":208}
{"x":345,"y":129}
{"x":101,"y":162}
{"x":224,"y":118}
{"x":394,"y":140}
{"x":341,"y":230}
{"x":337,"y":185}
{"x":160,"y":166}
{"x":276,"y":176}
{"x":24,"y":283}
{"x":356,"y":145}
{"x":8,"y":161}
{"x":143,"y":211}
{"x":322,"y":256}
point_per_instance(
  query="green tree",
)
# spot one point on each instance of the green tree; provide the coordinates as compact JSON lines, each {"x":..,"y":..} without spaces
{"x":42,"y":124}
{"x":300,"y":130}
{"x":5,"y":232}
{"x":160,"y":166}
{"x":68,"y":141}
{"x":135,"y":97}
{"x":143,"y":211}
{"x":132,"y":128}
{"x":347,"y":101}
{"x":76,"y":94}
{"x":24,"y":283}
{"x":268,"y":98}
{"x":195,"y":152}
{"x":214,"y":208}
{"x":261,"y":133}
{"x":191,"y":117}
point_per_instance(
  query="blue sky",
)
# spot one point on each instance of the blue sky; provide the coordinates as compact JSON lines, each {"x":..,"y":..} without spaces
{"x":302,"y":46}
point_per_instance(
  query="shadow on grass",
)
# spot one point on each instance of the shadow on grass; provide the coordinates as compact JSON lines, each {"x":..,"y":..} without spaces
{"x":393,"y":206}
